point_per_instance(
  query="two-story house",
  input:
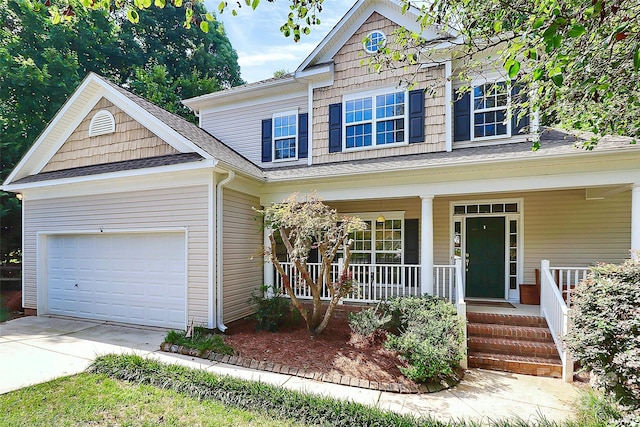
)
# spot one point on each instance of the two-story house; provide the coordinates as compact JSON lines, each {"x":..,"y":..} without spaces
{"x":132,"y":214}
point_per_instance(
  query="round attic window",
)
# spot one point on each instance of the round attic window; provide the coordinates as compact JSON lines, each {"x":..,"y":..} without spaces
{"x":374,"y":41}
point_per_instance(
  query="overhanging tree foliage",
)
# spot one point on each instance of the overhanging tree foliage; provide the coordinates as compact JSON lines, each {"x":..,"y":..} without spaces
{"x":304,"y":225}
{"x":41,"y":64}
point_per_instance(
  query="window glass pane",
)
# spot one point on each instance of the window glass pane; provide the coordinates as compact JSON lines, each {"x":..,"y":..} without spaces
{"x":512,"y":282}
{"x":513,"y":226}
{"x":512,"y":269}
{"x":472,"y":209}
{"x":357,"y":110}
{"x":358,"y":135}
{"x":513,"y":254}
{"x":285,"y":148}
{"x":485,"y":208}
{"x":513,"y":239}
{"x":458,"y":210}
{"x":511,"y":207}
{"x":499,"y":207}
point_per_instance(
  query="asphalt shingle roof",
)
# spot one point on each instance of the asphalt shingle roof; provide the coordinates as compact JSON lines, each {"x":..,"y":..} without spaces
{"x":149,"y":162}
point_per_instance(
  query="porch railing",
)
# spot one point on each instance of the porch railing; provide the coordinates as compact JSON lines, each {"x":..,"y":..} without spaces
{"x":568,"y":278}
{"x":377,"y":282}
{"x":555,"y":300}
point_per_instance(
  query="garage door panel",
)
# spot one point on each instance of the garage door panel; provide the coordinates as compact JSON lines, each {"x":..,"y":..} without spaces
{"x":135,"y":278}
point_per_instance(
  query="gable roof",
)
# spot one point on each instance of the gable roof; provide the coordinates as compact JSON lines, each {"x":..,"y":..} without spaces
{"x":184,"y":136}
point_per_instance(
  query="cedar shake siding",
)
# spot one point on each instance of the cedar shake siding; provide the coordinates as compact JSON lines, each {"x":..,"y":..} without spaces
{"x":351,"y":77}
{"x":130,"y":141}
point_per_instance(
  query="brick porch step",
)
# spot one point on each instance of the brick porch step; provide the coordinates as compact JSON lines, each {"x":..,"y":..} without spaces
{"x":507,"y":319}
{"x":538,"y":366}
{"x":511,"y":343}
{"x":511,"y":346}
{"x":490,"y":330}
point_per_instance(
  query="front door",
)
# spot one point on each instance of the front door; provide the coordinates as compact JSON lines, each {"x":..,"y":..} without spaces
{"x":485,"y":257}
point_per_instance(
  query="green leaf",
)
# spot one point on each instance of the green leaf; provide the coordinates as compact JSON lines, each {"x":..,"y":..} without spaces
{"x":557,"y":79}
{"x":132,"y":16}
{"x":160,"y":3}
{"x":177,"y":3}
{"x":636,"y":58}
{"x":55,"y":16}
{"x":537,"y":74}
{"x":209,"y":17}
{"x":204,"y":26}
{"x":539,"y":22}
{"x":497,"y":26}
{"x":147,"y":3}
{"x":513,"y":69}
{"x":576,"y":31}
{"x":221,"y":6}
{"x":254,"y":4}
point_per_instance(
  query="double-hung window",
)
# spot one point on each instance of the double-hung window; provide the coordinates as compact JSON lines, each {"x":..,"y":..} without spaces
{"x":376,"y":119}
{"x":285,"y":136}
{"x":490,"y":102}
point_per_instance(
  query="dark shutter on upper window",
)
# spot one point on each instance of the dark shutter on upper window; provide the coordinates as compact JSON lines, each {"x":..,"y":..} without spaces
{"x":416,"y":116}
{"x":518,"y":94}
{"x":462,"y":117}
{"x":266,"y":140}
{"x":411,"y":241}
{"x":303,"y":136}
{"x":335,"y":128}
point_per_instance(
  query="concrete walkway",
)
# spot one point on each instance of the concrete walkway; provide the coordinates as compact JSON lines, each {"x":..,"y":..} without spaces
{"x":38,"y":349}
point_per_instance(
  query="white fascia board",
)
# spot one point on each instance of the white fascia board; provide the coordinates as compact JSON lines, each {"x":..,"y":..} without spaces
{"x":369,"y":190}
{"x":182,"y":167}
{"x":316,"y":73}
{"x":175,"y":179}
{"x":248,"y":101}
{"x":202,"y":102}
{"x":18,"y":171}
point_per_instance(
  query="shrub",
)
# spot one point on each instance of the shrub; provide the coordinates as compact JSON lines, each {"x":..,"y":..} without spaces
{"x":202,"y":339}
{"x":430,"y":337}
{"x":272,"y":309}
{"x":605,"y":332}
{"x":367,"y":322}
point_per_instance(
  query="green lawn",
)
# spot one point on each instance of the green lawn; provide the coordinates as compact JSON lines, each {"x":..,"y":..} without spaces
{"x":96,"y":400}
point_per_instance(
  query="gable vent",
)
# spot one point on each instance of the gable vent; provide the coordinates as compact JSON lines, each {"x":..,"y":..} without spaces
{"x":102,"y":123}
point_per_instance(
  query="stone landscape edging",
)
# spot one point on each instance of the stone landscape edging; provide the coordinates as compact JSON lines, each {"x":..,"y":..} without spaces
{"x":263,"y":365}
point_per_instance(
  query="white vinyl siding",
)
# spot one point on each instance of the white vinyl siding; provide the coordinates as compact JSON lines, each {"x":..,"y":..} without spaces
{"x":181,"y":207}
{"x":242,"y":239}
{"x":241,"y":128}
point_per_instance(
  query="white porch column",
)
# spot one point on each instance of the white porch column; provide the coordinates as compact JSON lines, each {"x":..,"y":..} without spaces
{"x":268,"y":273}
{"x":426,"y":246}
{"x":635,"y":220}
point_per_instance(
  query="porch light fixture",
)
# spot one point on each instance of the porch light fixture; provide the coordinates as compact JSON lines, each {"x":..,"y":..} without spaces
{"x":19,"y":196}
{"x":380,"y":218}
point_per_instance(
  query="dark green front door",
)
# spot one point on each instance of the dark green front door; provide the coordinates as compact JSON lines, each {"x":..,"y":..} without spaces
{"x":486,"y":257}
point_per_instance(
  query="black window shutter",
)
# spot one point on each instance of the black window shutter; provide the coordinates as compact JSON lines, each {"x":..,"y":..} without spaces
{"x":411,"y":241}
{"x":416,"y":116}
{"x":518,"y":124}
{"x":303,"y":136}
{"x":266,"y":140}
{"x":462,"y":117}
{"x":335,"y":128}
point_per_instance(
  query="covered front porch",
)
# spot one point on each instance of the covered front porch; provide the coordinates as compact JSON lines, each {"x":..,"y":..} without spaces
{"x":486,"y":247}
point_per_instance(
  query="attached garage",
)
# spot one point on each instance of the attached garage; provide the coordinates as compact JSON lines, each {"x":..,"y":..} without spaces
{"x":137,"y":278}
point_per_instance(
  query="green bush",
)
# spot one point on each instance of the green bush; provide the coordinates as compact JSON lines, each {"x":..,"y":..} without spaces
{"x":272,"y":308}
{"x":367,"y":322}
{"x":202,"y":339}
{"x":605,"y":333}
{"x":430,"y":337}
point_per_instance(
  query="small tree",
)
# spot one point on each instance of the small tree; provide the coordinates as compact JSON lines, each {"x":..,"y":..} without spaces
{"x":309,"y":224}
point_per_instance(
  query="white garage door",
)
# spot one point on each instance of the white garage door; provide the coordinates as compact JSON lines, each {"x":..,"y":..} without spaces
{"x":134,"y":278}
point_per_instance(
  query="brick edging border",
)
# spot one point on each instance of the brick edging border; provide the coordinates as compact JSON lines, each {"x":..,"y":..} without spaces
{"x":312,"y":375}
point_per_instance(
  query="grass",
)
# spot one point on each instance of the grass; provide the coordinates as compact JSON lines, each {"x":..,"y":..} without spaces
{"x":271,"y":401}
{"x":202,"y":339}
{"x":96,"y":399}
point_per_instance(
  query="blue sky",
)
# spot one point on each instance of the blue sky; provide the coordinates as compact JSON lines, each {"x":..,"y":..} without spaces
{"x":261,"y":47}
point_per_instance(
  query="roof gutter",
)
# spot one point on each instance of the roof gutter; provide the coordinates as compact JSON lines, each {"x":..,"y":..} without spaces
{"x":219,"y":253}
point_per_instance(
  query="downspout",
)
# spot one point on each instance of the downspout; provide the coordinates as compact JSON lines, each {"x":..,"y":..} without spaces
{"x":219,"y":255}
{"x":310,"y":124}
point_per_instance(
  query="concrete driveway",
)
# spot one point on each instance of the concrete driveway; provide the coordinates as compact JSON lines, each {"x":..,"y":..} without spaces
{"x":38,"y":349}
